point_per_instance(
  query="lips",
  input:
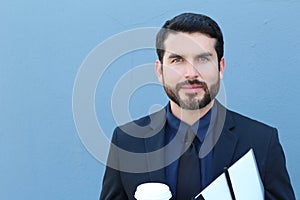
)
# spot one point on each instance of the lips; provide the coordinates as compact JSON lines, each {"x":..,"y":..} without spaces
{"x":191,"y":86}
{"x":195,"y":88}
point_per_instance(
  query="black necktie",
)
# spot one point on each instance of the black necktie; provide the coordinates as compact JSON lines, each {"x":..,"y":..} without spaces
{"x":189,"y":175}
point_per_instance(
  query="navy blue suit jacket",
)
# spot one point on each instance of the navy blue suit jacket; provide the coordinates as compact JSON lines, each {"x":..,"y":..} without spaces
{"x":144,"y":138}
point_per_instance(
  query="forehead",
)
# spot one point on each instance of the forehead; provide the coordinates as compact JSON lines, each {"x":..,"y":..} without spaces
{"x":186,"y":43}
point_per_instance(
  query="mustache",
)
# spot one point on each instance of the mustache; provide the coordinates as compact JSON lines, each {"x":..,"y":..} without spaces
{"x":192,"y":82}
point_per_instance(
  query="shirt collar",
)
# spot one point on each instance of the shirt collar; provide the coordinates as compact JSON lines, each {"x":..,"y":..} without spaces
{"x":200,"y":127}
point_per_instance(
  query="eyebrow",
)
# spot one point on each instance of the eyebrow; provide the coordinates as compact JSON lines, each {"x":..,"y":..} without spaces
{"x":173,"y":55}
{"x":205,"y":54}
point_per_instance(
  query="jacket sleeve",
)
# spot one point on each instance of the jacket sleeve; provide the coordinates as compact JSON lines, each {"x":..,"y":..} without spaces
{"x":112,"y":187}
{"x":277,"y":181}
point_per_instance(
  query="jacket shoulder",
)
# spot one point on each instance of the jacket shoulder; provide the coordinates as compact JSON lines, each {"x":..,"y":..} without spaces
{"x":153,"y":120}
{"x":247,"y":122}
{"x":132,"y":135}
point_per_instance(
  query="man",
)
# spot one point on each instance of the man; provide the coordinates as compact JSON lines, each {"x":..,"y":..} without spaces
{"x":161,"y":147}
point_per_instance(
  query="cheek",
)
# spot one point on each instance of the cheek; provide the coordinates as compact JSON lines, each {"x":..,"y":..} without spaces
{"x":171,"y":75}
{"x":211,"y":76}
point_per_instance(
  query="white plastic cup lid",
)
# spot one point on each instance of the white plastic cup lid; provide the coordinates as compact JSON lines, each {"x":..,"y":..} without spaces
{"x":153,"y":191}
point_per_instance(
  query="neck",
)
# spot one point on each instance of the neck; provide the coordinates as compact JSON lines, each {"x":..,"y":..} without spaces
{"x":190,"y":116}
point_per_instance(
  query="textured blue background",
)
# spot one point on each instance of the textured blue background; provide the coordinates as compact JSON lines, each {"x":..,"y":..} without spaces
{"x":43,"y":43}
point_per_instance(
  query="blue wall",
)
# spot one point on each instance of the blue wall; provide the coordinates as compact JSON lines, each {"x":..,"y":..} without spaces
{"x":43,"y":44}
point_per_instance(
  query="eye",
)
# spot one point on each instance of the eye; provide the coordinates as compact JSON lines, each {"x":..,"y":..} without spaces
{"x":203,"y":59}
{"x":177,"y":60}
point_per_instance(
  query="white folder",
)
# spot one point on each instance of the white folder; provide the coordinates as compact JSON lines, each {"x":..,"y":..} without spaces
{"x":244,"y":179}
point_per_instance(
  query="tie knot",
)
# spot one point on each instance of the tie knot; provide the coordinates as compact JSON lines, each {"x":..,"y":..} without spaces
{"x":191,"y":137}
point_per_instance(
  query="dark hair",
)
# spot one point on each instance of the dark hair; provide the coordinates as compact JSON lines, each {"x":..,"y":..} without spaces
{"x":190,"y":23}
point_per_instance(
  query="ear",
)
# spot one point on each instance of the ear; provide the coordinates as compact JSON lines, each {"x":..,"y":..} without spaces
{"x":158,"y":70}
{"x":222,"y":68}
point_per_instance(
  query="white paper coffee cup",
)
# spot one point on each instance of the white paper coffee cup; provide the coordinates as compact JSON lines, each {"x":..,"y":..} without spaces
{"x":153,"y":191}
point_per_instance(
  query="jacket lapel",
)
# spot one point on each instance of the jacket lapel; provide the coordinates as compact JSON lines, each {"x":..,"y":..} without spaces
{"x":225,"y":146}
{"x":154,"y":145}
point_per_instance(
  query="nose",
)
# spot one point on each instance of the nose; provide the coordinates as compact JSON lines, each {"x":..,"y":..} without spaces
{"x":191,"y":71}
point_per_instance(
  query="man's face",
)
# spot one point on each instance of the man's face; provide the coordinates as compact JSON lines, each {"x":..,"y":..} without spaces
{"x":190,"y":70}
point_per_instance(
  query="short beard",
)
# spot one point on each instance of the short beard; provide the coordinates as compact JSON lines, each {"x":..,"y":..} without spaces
{"x":192,"y":103}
